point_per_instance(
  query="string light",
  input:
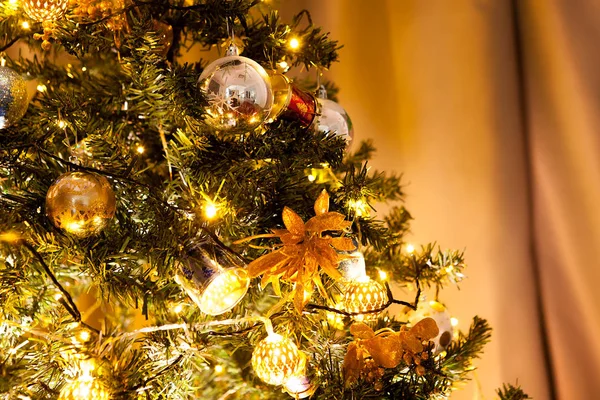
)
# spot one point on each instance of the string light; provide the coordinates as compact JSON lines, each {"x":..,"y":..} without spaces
{"x":382,"y":274}
{"x":210,"y":210}
{"x":61,"y":124}
{"x":178,"y":308}
{"x":410,"y":248}
{"x":84,"y":336}
{"x":140,"y":149}
{"x":219,"y":369}
{"x":25,"y":25}
{"x":294,"y":43}
{"x":454,"y":321}
{"x":360,"y":207}
{"x":41,"y":88}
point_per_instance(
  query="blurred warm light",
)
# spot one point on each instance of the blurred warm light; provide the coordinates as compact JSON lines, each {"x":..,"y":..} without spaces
{"x":10,"y":237}
{"x":140,"y":149}
{"x":294,"y":43}
{"x":210,"y":210}
{"x":283,"y":65}
{"x":41,"y":88}
{"x":178,"y":308}
{"x":311,"y":177}
{"x":84,"y":336}
{"x":410,"y":248}
{"x":61,"y":124}
{"x":25,"y":25}
{"x":382,"y":275}
{"x":219,"y":369}
{"x":360,"y":207}
{"x":454,"y":321}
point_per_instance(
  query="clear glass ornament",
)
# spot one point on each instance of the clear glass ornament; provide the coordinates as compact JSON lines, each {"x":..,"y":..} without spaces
{"x":300,"y":387}
{"x":333,"y":118}
{"x":80,"y":203}
{"x":238,"y":91}
{"x":13,"y":97}
{"x":215,"y":278}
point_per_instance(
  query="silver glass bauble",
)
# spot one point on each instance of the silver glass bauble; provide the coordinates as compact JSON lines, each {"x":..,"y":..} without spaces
{"x":333,"y":118}
{"x":238,"y":91}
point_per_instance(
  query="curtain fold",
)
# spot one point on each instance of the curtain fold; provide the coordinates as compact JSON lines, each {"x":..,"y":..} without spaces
{"x":562,"y":87}
{"x":435,"y":84}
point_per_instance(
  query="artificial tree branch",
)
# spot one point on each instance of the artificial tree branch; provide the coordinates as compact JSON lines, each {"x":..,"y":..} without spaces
{"x":69,"y":304}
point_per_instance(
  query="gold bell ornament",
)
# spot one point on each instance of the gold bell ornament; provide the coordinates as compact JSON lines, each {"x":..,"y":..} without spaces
{"x":212,"y":275}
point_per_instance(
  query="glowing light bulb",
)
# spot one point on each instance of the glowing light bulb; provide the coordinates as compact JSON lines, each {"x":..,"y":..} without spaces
{"x":410,"y":248}
{"x":219,"y":369}
{"x":61,"y":124}
{"x":140,"y":149}
{"x":312,"y":178}
{"x":382,"y":275}
{"x":84,"y":336}
{"x":294,"y":43}
{"x":25,"y":25}
{"x":178,"y":308}
{"x":210,"y":210}
{"x":41,"y":88}
{"x":454,"y":321}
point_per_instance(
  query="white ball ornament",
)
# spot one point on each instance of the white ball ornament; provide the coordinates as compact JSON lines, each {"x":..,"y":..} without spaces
{"x":442,"y":318}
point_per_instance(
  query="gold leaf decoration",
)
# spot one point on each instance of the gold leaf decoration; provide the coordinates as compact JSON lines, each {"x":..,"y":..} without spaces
{"x":370,"y":351}
{"x":304,"y":248}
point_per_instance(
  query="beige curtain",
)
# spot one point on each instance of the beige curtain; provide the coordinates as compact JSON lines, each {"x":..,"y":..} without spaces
{"x":490,"y":108}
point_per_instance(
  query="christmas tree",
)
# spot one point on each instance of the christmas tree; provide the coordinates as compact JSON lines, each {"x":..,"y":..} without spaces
{"x":177,"y":230}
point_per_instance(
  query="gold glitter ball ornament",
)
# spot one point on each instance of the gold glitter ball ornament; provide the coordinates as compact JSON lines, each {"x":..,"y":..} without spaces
{"x":276,"y":359}
{"x":80,"y":203}
{"x":45,"y":10}
{"x":13,"y":97}
{"x":364,"y":296}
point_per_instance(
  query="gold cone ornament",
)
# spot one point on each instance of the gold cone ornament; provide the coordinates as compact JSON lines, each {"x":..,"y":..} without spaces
{"x":80,"y":203}
{"x":213,"y":276}
{"x":364,"y":296}
{"x":276,"y":359}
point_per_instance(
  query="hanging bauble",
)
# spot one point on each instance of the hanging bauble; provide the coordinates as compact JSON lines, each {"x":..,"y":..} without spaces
{"x":276,"y":359}
{"x":13,"y":97}
{"x":164,"y":32}
{"x":291,"y":103}
{"x":84,"y":389}
{"x":363,"y":297}
{"x":85,"y":386}
{"x":353,"y":268}
{"x":299,"y":387}
{"x":80,"y":203}
{"x":333,"y":118}
{"x":213,"y":276}
{"x":45,"y":10}
{"x":438,"y":312}
{"x":238,"y":91}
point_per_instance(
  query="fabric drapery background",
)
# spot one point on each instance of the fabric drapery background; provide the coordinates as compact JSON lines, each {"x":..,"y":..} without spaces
{"x":490,"y":109}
